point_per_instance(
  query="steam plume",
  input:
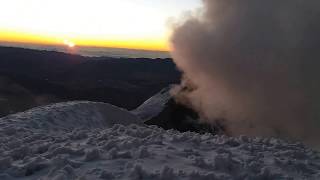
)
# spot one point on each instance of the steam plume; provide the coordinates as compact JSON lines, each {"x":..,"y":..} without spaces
{"x":254,"y":63}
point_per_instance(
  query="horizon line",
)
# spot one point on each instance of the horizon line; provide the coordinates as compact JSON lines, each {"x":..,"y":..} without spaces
{"x":17,"y":43}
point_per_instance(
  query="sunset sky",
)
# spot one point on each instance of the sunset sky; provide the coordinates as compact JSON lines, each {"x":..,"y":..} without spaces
{"x":139,"y":24}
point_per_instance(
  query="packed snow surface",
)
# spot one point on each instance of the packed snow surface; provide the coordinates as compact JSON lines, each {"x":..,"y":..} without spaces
{"x":85,"y":140}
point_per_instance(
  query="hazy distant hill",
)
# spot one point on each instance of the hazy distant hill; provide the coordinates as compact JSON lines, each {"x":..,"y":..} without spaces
{"x":93,"y":51}
{"x":47,"y":76}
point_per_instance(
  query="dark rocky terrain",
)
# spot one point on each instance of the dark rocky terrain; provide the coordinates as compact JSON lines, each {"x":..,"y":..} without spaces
{"x":30,"y":78}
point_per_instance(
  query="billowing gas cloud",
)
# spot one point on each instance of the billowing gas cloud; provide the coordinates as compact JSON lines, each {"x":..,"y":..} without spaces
{"x":255,"y":64}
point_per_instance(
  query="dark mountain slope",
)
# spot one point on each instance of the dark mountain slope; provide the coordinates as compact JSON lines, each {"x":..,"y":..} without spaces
{"x":123,"y":82}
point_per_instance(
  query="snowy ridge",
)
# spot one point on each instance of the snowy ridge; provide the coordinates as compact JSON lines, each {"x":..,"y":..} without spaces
{"x":105,"y":150}
{"x":70,"y":115}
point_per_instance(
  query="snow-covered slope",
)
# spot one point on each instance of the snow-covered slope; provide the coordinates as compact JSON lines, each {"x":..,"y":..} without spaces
{"x":70,"y":115}
{"x":154,"y":105}
{"x":80,"y":140}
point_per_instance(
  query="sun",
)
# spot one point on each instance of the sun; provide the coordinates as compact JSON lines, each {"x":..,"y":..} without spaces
{"x":69,"y":43}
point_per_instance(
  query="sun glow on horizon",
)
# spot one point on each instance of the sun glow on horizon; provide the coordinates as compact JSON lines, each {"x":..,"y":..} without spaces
{"x":69,"y":43}
{"x":136,"y":24}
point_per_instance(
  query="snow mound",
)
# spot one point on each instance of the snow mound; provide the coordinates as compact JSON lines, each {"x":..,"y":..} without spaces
{"x":69,"y":115}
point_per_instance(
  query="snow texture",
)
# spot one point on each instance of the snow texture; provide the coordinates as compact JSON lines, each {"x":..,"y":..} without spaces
{"x":85,"y":140}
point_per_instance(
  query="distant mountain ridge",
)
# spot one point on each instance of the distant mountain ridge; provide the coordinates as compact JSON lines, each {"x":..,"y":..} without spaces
{"x":93,"y":51}
{"x":125,"y":82}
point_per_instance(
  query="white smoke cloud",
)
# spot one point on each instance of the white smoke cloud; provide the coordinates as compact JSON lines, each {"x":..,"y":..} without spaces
{"x":254,"y":63}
